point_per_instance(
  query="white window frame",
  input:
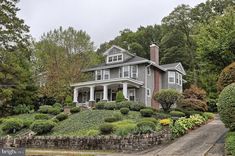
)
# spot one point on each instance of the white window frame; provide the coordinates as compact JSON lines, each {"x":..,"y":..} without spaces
{"x":148,"y":71}
{"x":96,"y":73}
{"x":177,"y":77}
{"x":104,"y":73}
{"x":148,"y":91}
{"x":170,"y":75}
{"x":132,"y":71}
{"x":123,"y":71}
{"x":180,"y":79}
{"x":133,"y":92}
{"x":112,"y":56}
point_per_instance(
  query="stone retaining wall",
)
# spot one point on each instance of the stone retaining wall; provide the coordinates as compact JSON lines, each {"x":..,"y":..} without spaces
{"x":132,"y":142}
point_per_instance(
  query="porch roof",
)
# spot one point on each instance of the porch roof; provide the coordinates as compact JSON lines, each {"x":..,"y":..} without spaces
{"x":108,"y":82}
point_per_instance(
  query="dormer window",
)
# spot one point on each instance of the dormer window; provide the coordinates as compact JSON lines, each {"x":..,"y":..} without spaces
{"x":115,"y":58}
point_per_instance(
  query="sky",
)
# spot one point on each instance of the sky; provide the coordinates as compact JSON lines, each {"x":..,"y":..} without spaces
{"x":101,"y":19}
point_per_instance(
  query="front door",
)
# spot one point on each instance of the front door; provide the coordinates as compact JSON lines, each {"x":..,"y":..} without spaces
{"x":98,"y":96}
{"x":131,"y":94}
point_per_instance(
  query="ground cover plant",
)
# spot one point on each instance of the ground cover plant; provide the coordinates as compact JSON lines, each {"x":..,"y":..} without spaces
{"x":230,"y":143}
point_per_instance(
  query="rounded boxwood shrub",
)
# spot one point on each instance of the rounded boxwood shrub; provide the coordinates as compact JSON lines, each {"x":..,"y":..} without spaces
{"x":136,"y":106}
{"x":227,"y":77}
{"x":110,"y":119}
{"x":100,"y":105}
{"x":144,"y":127}
{"x":12,"y":125}
{"x":41,"y":117}
{"x":54,"y":110}
{"x":161,"y":115}
{"x":226,"y":106}
{"x":58,"y":105}
{"x":177,"y":114}
{"x":124,"y":111}
{"x":110,"y":105}
{"x":42,"y":126}
{"x":106,"y":128}
{"x":61,"y":116}
{"x":155,"y":121}
{"x":146,"y":112}
{"x":75,"y":110}
{"x":44,"y":108}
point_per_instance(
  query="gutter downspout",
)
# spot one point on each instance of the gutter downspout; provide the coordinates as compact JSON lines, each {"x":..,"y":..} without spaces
{"x":146,"y":82}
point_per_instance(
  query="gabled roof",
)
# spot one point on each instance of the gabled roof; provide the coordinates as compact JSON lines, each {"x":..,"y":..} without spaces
{"x":174,"y":66}
{"x":117,"y":47}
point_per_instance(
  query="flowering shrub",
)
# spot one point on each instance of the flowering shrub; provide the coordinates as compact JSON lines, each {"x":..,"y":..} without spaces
{"x":165,"y":122}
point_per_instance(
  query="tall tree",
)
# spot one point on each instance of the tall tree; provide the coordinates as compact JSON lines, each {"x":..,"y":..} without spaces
{"x":62,"y":54}
{"x":15,"y":73}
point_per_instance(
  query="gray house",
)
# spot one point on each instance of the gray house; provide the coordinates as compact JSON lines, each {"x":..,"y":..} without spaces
{"x":138,"y":78}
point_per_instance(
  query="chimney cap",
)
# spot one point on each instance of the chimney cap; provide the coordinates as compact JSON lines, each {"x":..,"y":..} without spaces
{"x":153,"y":45}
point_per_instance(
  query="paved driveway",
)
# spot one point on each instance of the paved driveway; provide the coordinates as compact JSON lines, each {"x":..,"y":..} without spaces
{"x":206,"y":140}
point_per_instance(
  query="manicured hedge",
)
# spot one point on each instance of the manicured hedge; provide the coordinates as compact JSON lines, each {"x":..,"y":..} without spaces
{"x":144,"y":127}
{"x":106,"y":128}
{"x":146,"y":112}
{"x":42,"y":126}
{"x":226,"y":106}
{"x":75,"y":110}
{"x":124,"y":111}
{"x":12,"y":125}
{"x":177,"y":114}
{"x":61,"y":116}
{"x":41,"y":117}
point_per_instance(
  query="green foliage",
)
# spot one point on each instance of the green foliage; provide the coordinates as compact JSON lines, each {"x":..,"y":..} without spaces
{"x":177,"y":114}
{"x":58,"y":105}
{"x":12,"y":125}
{"x":193,"y":104}
{"x":208,"y":115}
{"x":92,"y":132}
{"x":61,"y":116}
{"x":75,"y":110}
{"x":167,"y":97}
{"x":144,"y":127}
{"x":161,"y":115}
{"x":182,"y":125}
{"x":155,"y":121}
{"x":100,"y":105}
{"x":42,"y":126}
{"x":68,"y":100}
{"x":124,"y":111}
{"x":21,"y":109}
{"x":124,"y":104}
{"x":194,"y":92}
{"x":230,"y":143}
{"x":110,"y":105}
{"x":136,"y":106}
{"x":212,"y":105}
{"x":106,"y":128}
{"x":27,"y":123}
{"x":226,"y":106}
{"x":146,"y":112}
{"x":120,"y":97}
{"x":124,"y":127}
{"x":44,"y":109}
{"x":227,"y":76}
{"x":110,"y":119}
{"x":41,"y":117}
{"x":54,"y":110}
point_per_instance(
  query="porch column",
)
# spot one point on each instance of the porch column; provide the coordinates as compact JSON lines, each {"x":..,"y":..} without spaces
{"x":124,"y":89}
{"x":92,"y":89}
{"x":75,"y":95}
{"x":105,"y":92}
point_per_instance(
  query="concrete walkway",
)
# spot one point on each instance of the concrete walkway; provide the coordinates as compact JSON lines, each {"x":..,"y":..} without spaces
{"x":206,"y":140}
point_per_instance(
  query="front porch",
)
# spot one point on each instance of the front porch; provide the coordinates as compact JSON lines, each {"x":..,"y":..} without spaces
{"x":105,"y":90}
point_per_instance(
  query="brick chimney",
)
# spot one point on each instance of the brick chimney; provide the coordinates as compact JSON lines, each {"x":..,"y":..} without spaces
{"x":154,"y":53}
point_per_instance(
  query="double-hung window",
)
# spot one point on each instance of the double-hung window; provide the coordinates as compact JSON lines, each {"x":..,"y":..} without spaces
{"x":98,"y":74}
{"x":177,"y":78}
{"x":171,"y":77}
{"x":106,"y":74}
{"x":134,"y":71}
{"x":126,"y":71}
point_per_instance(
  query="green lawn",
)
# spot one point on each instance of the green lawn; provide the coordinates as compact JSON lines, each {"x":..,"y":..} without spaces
{"x":230,"y":143}
{"x":80,"y":123}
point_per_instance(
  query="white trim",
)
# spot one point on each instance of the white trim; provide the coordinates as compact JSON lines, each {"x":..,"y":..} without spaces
{"x":121,"y":49}
{"x":112,"y":56}
{"x":132,"y":71}
{"x":111,"y":81}
{"x":101,"y":75}
{"x":171,"y":77}
{"x":180,"y":80}
{"x":177,"y":77}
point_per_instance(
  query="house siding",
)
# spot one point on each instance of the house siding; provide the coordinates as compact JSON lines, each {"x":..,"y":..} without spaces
{"x":166,"y":85}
